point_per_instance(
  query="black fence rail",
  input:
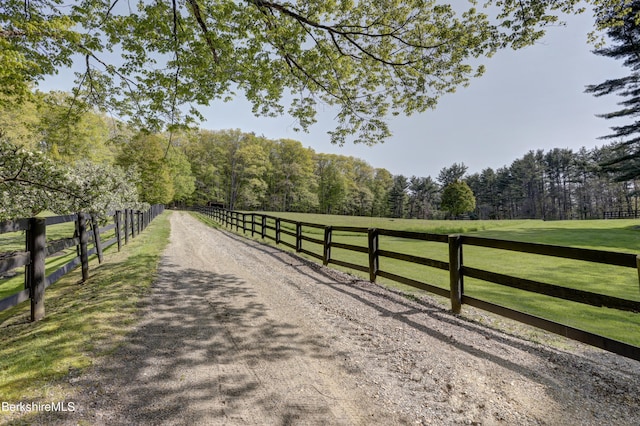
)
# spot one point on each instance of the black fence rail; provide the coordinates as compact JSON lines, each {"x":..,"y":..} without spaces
{"x":271,"y":227}
{"x":621,"y":214}
{"x":86,"y":238}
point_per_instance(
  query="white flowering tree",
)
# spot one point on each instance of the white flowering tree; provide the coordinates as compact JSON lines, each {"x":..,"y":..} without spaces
{"x":30,"y":182}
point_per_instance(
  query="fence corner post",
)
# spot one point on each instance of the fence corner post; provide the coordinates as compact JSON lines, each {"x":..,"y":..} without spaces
{"x":373,"y":254}
{"x":37,"y":245}
{"x":326,"y":252}
{"x":455,"y":272}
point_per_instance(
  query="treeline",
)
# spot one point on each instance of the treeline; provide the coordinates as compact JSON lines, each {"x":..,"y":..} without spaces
{"x":249,"y":172}
{"x":558,"y":184}
{"x":244,"y":171}
{"x":60,"y":155}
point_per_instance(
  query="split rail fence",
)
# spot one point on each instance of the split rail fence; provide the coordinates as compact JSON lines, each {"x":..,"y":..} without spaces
{"x":125,"y":224}
{"x":270,"y":227}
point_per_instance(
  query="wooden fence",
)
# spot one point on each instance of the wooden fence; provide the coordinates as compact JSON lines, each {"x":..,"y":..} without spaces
{"x":125,"y":224}
{"x":621,"y":214}
{"x":258,"y":224}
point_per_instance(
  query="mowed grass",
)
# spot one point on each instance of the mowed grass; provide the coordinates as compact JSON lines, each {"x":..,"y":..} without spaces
{"x":82,"y":320}
{"x":13,"y":281}
{"x":609,"y":235}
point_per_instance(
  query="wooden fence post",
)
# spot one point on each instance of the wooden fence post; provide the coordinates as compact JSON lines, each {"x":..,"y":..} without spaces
{"x":244,"y":223}
{"x":116,"y":219}
{"x":253,"y":224}
{"x":326,"y":248}
{"x":84,"y":238}
{"x":96,"y":237}
{"x":374,"y":259}
{"x":264,"y":227}
{"x":298,"y":236}
{"x":278,"y":233}
{"x":455,"y":272}
{"x":37,"y":244}
{"x":638,"y":267}
{"x":126,"y":226}
{"x":132,"y":221}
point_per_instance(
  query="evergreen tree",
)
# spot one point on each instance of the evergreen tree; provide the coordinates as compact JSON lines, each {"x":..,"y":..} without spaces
{"x":624,"y":32}
{"x":398,"y":196}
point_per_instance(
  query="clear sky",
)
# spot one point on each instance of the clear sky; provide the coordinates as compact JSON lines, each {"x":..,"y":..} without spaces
{"x":528,"y":99}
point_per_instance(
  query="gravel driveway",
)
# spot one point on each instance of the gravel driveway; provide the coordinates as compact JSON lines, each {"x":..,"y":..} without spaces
{"x":240,"y":333}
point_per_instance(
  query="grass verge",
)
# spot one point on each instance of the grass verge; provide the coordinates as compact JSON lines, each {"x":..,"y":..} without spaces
{"x":83,"y":320}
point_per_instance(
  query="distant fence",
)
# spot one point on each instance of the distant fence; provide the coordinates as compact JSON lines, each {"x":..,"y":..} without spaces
{"x":270,"y":227}
{"x":125,"y":224}
{"x":622,"y":214}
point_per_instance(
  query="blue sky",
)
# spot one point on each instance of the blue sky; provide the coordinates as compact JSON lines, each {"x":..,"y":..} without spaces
{"x":528,"y":99}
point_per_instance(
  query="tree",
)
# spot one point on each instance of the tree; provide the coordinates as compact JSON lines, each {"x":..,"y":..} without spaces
{"x":398,"y":196}
{"x":367,"y":58}
{"x":449,"y":175}
{"x":422,"y":197}
{"x":291,"y":181}
{"x":457,"y":198}
{"x":146,"y":154}
{"x":381,"y":186}
{"x":182,"y":178}
{"x":45,"y":122}
{"x":31,"y":182}
{"x":241,"y":162}
{"x":331,"y":183}
{"x":624,"y":32}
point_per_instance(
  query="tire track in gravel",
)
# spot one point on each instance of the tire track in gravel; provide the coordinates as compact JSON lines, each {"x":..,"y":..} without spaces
{"x":221,"y":343}
{"x":236,"y":332}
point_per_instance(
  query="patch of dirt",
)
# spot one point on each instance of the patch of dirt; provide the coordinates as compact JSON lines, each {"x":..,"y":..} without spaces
{"x":239,"y":333}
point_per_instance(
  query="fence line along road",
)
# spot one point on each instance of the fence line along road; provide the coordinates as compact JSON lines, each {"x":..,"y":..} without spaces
{"x":270,"y":227}
{"x":125,"y":224}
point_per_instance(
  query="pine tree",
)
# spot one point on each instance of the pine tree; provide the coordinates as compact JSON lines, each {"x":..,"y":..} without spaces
{"x":624,"y":32}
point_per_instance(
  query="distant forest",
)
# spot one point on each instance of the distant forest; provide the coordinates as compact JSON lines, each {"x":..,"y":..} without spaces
{"x":249,"y":172}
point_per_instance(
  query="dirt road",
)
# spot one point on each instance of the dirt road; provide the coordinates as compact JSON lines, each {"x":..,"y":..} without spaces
{"x":236,"y":332}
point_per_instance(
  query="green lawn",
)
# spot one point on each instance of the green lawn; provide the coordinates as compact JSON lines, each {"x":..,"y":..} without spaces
{"x":610,"y":235}
{"x":15,"y":241}
{"x":82,"y":319}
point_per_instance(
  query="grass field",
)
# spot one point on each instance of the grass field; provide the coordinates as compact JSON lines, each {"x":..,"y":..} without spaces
{"x":15,"y":241}
{"x":611,"y":235}
{"x":82,"y":319}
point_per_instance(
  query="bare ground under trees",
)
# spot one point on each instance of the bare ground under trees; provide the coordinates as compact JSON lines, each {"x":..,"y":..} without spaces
{"x":237,"y":332}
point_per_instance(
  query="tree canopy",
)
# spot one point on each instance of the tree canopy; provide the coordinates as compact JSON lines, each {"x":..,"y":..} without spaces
{"x":155,"y":61}
{"x":458,"y":198}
